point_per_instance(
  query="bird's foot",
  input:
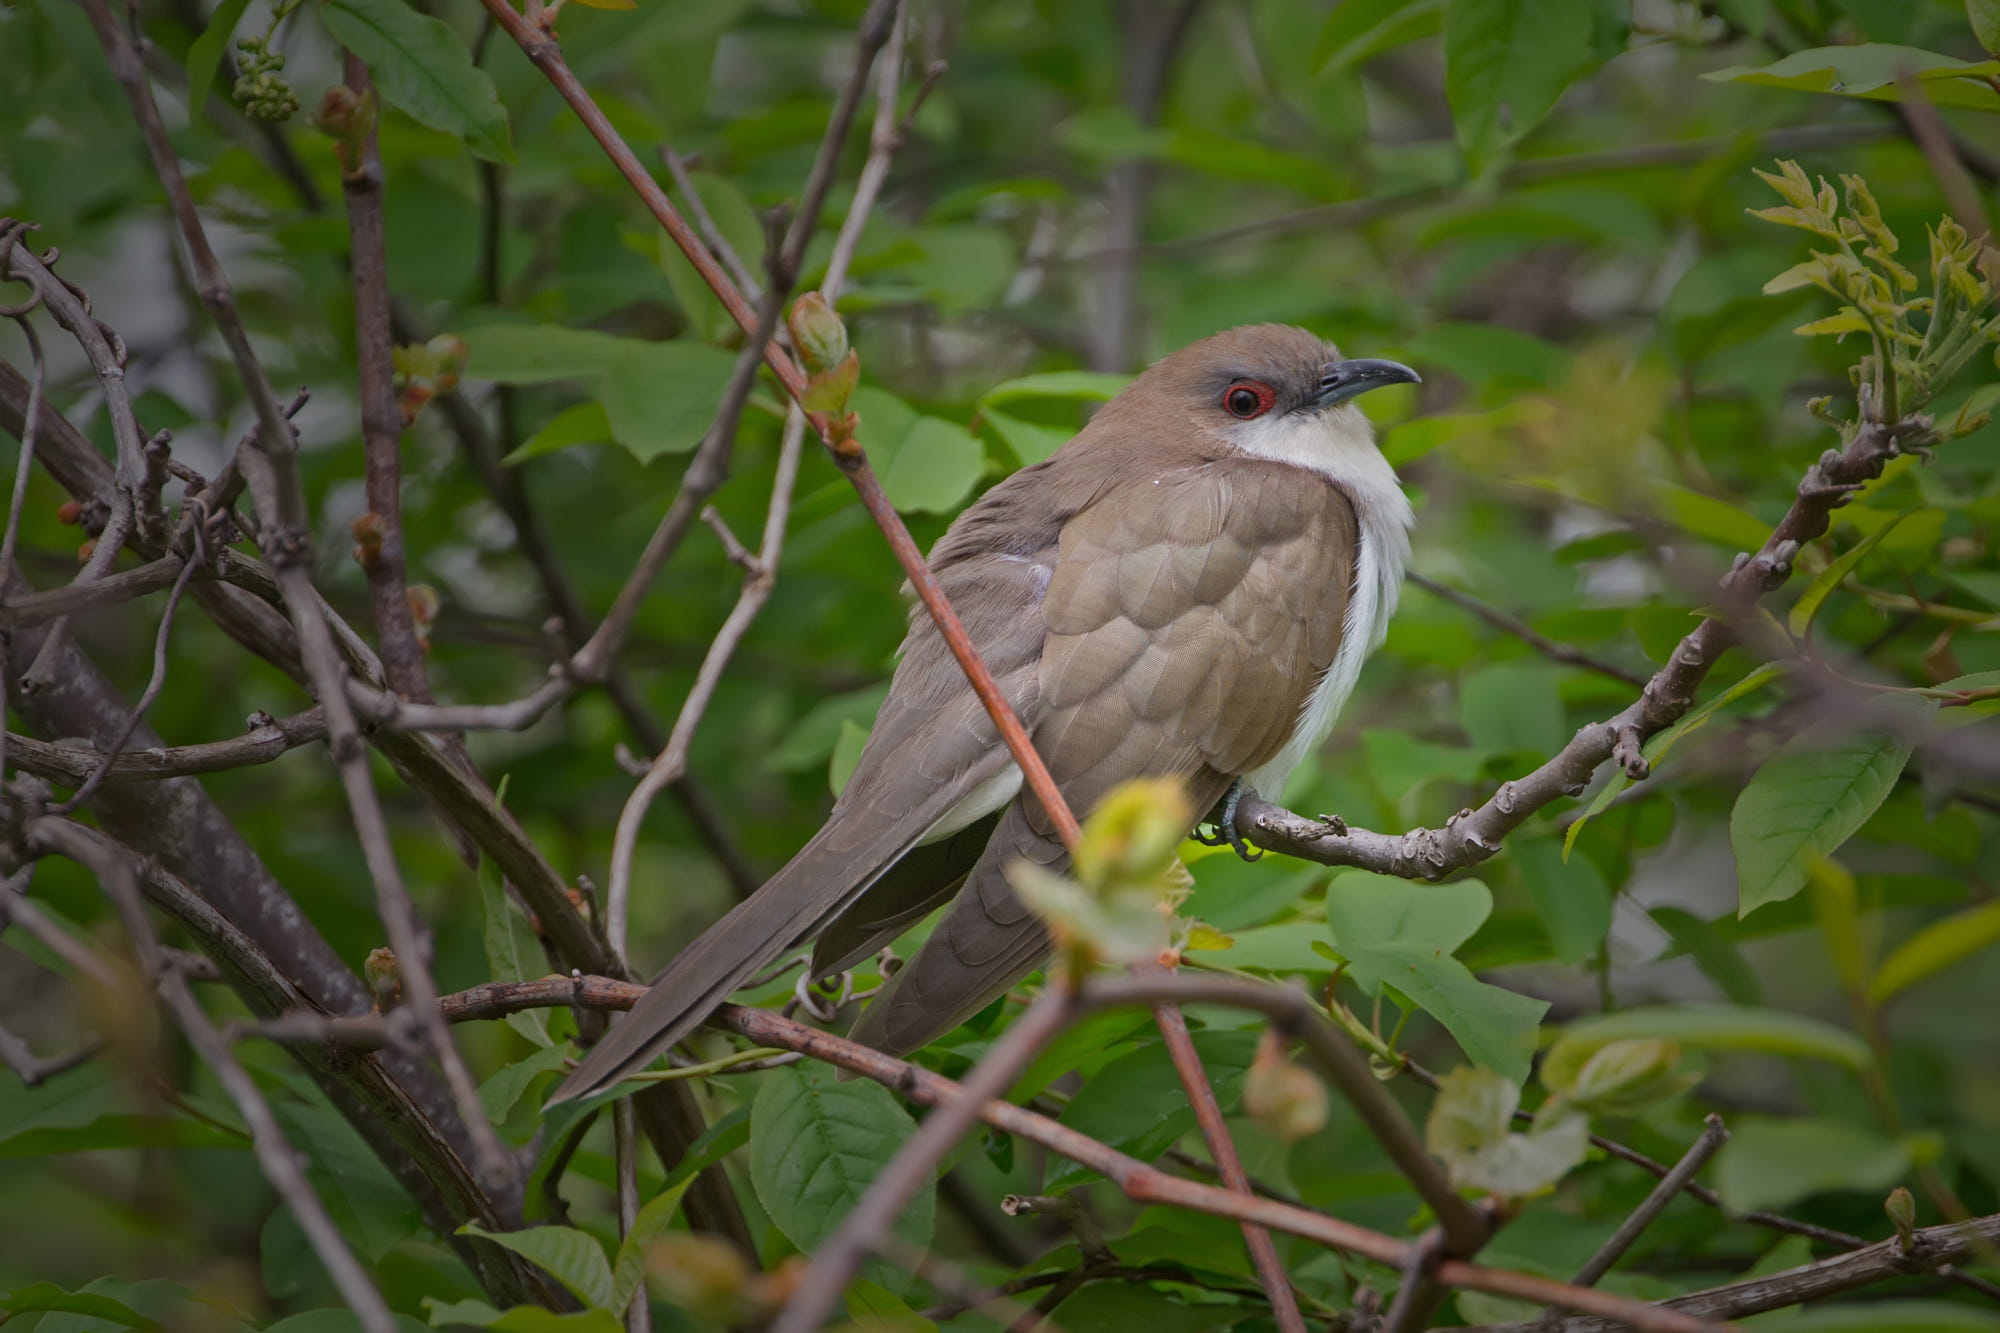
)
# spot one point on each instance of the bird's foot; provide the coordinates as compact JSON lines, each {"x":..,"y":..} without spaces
{"x":1222,"y":822}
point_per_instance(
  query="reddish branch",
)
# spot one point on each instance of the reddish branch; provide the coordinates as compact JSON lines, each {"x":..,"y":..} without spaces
{"x":1139,"y":1181}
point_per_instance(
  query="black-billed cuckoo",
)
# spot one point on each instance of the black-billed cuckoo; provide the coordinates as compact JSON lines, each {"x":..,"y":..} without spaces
{"x":1185,"y":589}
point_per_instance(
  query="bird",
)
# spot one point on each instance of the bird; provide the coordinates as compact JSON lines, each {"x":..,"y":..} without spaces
{"x":1187,"y":588}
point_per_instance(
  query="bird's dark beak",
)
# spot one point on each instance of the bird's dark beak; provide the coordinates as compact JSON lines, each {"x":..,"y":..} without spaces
{"x":1343,"y":380}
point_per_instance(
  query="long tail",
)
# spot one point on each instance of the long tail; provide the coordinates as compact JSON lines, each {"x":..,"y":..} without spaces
{"x":828,"y":873}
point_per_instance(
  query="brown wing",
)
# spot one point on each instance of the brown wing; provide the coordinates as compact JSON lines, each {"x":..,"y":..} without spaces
{"x":1188,"y":619}
{"x":932,"y":744}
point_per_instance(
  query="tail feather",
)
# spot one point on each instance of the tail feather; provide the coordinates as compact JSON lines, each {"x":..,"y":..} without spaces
{"x":987,"y":941}
{"x":828,"y":873}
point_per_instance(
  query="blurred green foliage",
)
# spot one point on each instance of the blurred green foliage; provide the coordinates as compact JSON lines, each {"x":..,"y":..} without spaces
{"x":1544,"y":205}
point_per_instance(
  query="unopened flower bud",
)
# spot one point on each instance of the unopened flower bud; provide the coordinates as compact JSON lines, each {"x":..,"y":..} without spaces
{"x":1281,"y":1095}
{"x":817,"y":332}
{"x":385,"y":978}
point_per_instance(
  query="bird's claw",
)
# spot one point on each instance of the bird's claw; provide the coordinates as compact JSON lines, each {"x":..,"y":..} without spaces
{"x":1222,"y":821}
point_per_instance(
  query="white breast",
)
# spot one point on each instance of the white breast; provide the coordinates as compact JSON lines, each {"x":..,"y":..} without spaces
{"x":1340,"y":445}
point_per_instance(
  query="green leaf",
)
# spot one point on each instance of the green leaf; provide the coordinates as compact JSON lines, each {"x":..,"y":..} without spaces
{"x":335,"y":1320}
{"x":1705,"y":516}
{"x":1625,"y":1078}
{"x":573,"y":1257}
{"x":41,"y":1297}
{"x":1712,"y":1027}
{"x":1137,"y":1105}
{"x":1470,"y":1127}
{"x":1031,"y":443}
{"x":1571,"y":896}
{"x":579,"y":423}
{"x":1871,"y":70}
{"x":657,"y":397}
{"x":422,"y":68}
{"x":120,"y":1130}
{"x":932,"y":468}
{"x":813,"y":737}
{"x":1892,"y":1317}
{"x":1513,"y":708}
{"x":1984,"y":16}
{"x":628,"y":1271}
{"x":1803,"y":803}
{"x":1487,"y":355}
{"x":1816,"y":593}
{"x":1939,"y":945}
{"x":1083,"y":385}
{"x":204,"y":57}
{"x":876,"y":1309}
{"x":1360,"y":30}
{"x":661,"y":397}
{"x":503,"y":953}
{"x":538,"y":353}
{"x":846,"y":754}
{"x":519,"y":1319}
{"x":1399,"y":934}
{"x":502,"y":1092}
{"x":815,"y":1145}
{"x":1771,"y":1163}
{"x":1506,"y":63}
{"x":1657,"y":748}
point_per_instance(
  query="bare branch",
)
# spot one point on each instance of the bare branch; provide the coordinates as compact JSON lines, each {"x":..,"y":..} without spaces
{"x":381,"y":550}
{"x":1140,"y":1182}
{"x":279,"y":499}
{"x":1434,"y":853}
{"x":1931,"y":1249}
{"x":154,"y":683}
{"x":268,"y":738}
{"x":677,"y":167}
{"x":1713,"y":1136}
{"x":280,"y":1163}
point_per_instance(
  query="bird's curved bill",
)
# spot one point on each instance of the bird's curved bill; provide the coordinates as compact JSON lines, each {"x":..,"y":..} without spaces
{"x":1343,"y":380}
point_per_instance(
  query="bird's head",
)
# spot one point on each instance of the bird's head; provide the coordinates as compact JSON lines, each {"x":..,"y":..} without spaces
{"x":1275,"y":391}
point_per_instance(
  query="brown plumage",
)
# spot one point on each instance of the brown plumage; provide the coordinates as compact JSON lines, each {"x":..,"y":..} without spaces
{"x":1162,"y":597}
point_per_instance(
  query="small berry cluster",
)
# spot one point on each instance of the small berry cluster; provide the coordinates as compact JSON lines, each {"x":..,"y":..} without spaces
{"x":261,"y":89}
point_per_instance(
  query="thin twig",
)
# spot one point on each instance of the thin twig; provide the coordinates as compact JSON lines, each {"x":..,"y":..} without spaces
{"x":1931,"y":1249}
{"x":264,"y":741}
{"x":1565,"y":653}
{"x":1429,"y":853}
{"x":915,"y":1163}
{"x":32,"y":1070}
{"x":381,"y":550}
{"x":15,"y":499}
{"x":280,"y":1163}
{"x":1713,"y":1136}
{"x":154,"y":683}
{"x":1140,"y":1182}
{"x":625,"y":1149}
{"x":279,"y":498}
{"x":1208,"y":1118}
{"x":704,"y":222}
{"x":1332,"y":219}
{"x":671,"y":762}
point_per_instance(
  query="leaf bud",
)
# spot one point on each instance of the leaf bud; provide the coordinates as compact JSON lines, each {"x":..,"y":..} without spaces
{"x":817,"y":332}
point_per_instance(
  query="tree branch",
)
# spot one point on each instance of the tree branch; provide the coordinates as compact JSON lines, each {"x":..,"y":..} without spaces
{"x":1434,"y":853}
{"x":281,"y":1165}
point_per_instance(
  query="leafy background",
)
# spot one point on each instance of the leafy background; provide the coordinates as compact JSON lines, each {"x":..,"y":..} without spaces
{"x":1539,"y":203}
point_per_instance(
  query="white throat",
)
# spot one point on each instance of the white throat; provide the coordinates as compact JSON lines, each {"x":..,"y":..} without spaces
{"x":1339,"y":444}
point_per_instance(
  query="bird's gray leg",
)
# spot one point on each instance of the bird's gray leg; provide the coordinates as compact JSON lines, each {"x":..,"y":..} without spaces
{"x":1223,"y":818}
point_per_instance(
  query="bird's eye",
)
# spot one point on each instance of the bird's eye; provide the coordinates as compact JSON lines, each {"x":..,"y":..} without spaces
{"x":1247,"y":399}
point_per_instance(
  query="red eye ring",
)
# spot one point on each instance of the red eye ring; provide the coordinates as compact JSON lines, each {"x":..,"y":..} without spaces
{"x":1247,"y":400}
